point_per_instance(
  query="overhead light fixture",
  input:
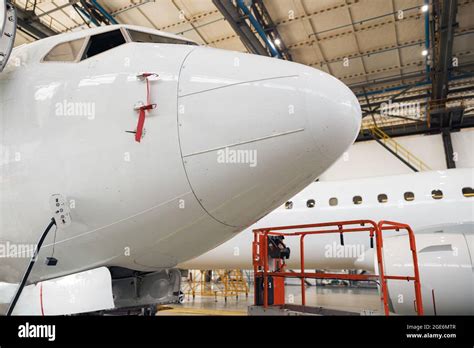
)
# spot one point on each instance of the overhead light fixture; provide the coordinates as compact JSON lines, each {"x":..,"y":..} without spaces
{"x":424,"y":53}
{"x":277,"y":42}
{"x":424,"y":8}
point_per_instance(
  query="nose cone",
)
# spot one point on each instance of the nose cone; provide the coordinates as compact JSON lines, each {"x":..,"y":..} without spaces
{"x":333,"y":113}
{"x":254,"y":131}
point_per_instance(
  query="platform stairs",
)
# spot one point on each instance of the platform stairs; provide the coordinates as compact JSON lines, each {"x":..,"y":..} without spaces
{"x":399,"y":151}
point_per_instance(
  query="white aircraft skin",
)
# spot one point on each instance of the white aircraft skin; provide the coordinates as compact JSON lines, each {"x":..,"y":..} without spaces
{"x":438,"y":223}
{"x":151,"y":205}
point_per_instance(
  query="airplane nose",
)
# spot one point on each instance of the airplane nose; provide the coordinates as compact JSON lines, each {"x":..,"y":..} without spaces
{"x":333,"y":112}
{"x":254,"y":130}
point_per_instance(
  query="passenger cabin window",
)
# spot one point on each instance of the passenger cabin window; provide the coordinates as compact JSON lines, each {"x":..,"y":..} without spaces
{"x":289,"y":205}
{"x":382,"y":198}
{"x":103,"y":42}
{"x":468,"y":192}
{"x":310,"y":203}
{"x":357,"y":200}
{"x":65,"y":52}
{"x":437,"y":194}
{"x":138,"y":36}
{"x":333,"y":201}
{"x":409,"y":196}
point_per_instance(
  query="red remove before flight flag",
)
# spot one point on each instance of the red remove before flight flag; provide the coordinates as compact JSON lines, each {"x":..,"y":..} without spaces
{"x":143,"y":109}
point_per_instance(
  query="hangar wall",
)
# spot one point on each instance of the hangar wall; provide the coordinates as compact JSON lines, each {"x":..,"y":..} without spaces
{"x":368,"y":159}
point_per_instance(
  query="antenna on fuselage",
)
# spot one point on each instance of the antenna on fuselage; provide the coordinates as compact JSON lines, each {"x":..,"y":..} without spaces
{"x":8,"y":21}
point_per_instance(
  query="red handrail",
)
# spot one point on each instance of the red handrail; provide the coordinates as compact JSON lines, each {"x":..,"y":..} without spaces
{"x":260,"y":256}
{"x":391,"y":225}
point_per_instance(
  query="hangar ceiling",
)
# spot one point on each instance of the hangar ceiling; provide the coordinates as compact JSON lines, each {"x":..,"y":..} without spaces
{"x":376,"y":47}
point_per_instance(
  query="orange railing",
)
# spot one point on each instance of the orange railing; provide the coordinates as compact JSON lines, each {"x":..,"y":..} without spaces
{"x":261,"y":257}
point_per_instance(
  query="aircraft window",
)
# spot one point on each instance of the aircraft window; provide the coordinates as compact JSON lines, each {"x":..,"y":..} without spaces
{"x":65,"y":52}
{"x":382,"y":198}
{"x":437,"y":194}
{"x":357,"y":200}
{"x":409,"y":196}
{"x":138,"y":36}
{"x":333,"y":201}
{"x":289,"y":205}
{"x":103,"y":42}
{"x":310,"y":203}
{"x":468,"y":192}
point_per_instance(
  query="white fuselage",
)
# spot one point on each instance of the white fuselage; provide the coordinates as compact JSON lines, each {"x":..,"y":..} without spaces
{"x":420,"y":213}
{"x":441,"y":215}
{"x":151,"y":205}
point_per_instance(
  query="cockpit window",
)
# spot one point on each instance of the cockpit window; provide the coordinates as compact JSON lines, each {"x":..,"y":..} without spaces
{"x":138,"y":36}
{"x":65,"y":52}
{"x":103,"y":42}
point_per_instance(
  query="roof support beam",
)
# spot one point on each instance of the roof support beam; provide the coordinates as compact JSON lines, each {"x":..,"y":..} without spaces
{"x":32,"y":26}
{"x":421,"y":95}
{"x":240,"y":26}
{"x":441,"y":117}
{"x":257,"y":25}
{"x":263,"y":16}
{"x":394,"y":78}
{"x":58,"y":8}
{"x":443,"y":46}
{"x":409,"y":129}
{"x":391,"y":99}
{"x":253,"y":24}
{"x":448,"y":148}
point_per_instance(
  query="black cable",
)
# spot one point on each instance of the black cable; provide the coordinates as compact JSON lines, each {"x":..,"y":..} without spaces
{"x":54,"y":241}
{"x":30,"y":267}
{"x":75,"y":7}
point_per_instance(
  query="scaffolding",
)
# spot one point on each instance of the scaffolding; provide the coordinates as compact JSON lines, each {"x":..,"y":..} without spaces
{"x":217,"y":283}
{"x":233,"y":282}
{"x":262,"y":259}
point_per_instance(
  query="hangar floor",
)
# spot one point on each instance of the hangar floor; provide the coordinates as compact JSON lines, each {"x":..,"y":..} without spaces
{"x":341,"y":298}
